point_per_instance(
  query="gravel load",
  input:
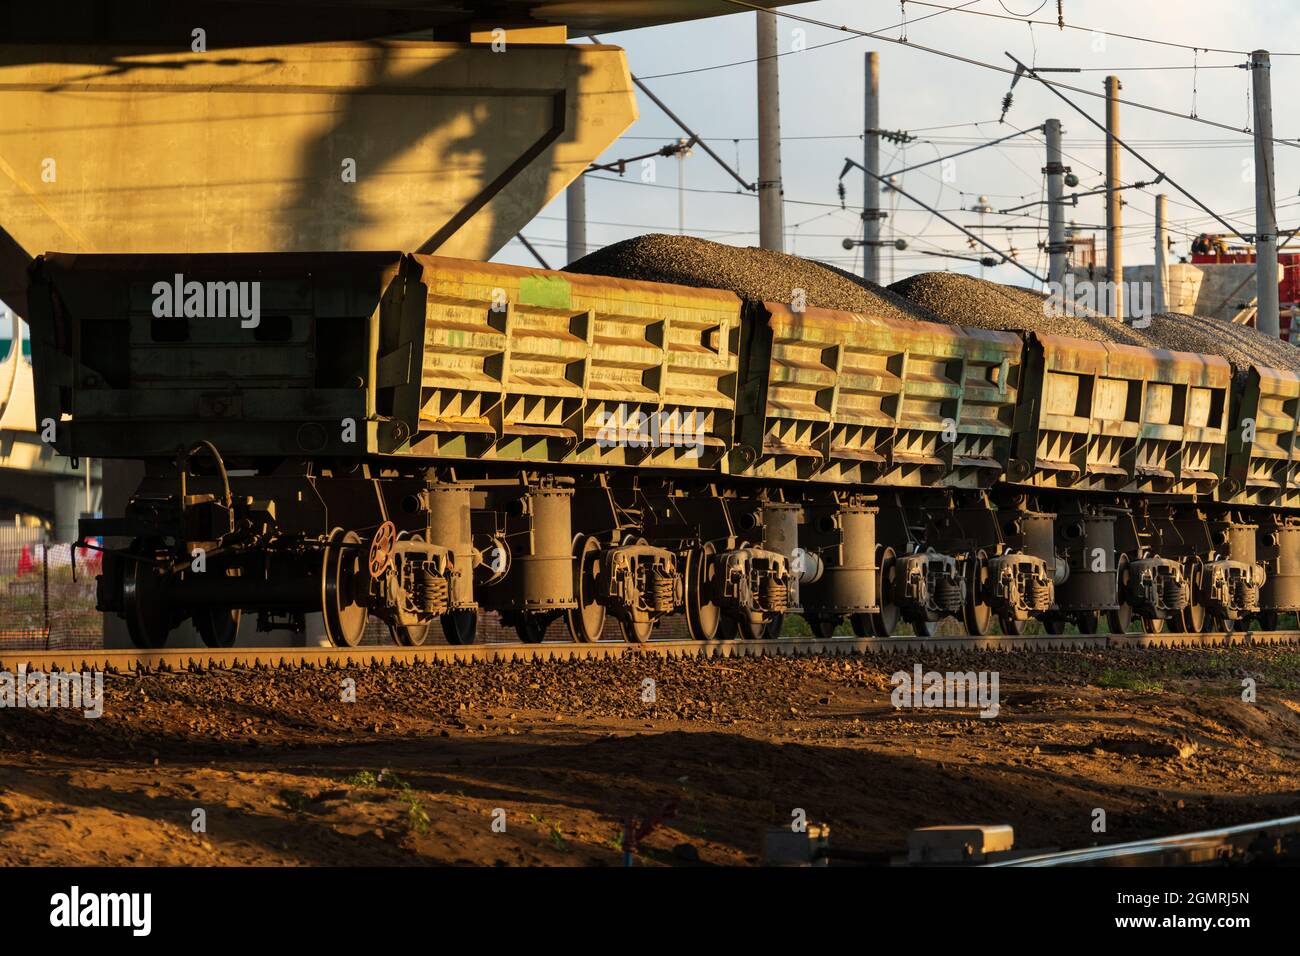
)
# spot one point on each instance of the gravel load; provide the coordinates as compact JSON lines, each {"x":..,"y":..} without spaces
{"x":966,"y":300}
{"x":1241,"y":345}
{"x":978,"y":303}
{"x":947,"y":297}
{"x":752,"y":274}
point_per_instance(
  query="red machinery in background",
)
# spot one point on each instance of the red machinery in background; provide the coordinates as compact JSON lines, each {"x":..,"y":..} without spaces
{"x":1212,"y":250}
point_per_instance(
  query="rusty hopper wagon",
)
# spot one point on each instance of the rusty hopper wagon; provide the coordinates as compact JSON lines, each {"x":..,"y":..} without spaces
{"x":420,"y":438}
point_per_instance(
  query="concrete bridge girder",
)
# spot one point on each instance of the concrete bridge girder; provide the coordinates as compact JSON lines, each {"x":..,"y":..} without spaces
{"x":405,"y":145}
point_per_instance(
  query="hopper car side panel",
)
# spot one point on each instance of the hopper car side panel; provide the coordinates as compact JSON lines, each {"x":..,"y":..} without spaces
{"x":1117,"y":418}
{"x":1263,"y":461}
{"x":572,"y":370}
{"x":856,"y":399}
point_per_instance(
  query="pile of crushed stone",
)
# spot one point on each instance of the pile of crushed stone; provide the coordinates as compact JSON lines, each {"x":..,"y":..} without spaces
{"x":750,"y":273}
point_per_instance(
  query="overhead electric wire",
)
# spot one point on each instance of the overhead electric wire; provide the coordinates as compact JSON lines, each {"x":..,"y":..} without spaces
{"x":756,"y":59}
{"x":1093,"y":30}
{"x":993,"y":66}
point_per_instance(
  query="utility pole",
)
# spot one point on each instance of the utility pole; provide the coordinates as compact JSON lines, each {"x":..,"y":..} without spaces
{"x":771,"y":227}
{"x":982,"y":207}
{"x":681,"y":184}
{"x":1265,"y":205}
{"x":1161,"y":292}
{"x":1055,"y":171}
{"x":1114,"y":202}
{"x":871,"y":214}
{"x":575,"y":205}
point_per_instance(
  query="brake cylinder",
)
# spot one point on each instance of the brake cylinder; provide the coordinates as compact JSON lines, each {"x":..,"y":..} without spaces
{"x":1092,"y":584}
{"x":845,"y":538}
{"x":449,"y":527}
{"x":541,"y":578}
{"x":1279,"y":548}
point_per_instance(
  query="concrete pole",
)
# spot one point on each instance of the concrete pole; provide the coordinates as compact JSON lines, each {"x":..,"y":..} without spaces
{"x":575,"y":205}
{"x":1160,"y":292}
{"x":1055,"y":171}
{"x":1114,"y":204}
{"x":871,"y":160}
{"x":1265,"y":202}
{"x":771,"y":227}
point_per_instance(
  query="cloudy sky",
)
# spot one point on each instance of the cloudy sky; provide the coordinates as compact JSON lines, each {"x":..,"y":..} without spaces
{"x":948,"y":106}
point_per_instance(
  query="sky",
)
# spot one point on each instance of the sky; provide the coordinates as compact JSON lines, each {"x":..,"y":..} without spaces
{"x":948,"y":106}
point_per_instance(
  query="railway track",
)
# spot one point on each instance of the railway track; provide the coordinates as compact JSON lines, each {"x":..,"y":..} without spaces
{"x":127,"y":660}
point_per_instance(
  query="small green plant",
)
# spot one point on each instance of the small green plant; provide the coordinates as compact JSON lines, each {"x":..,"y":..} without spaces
{"x":554,"y":831}
{"x":363,"y":780}
{"x":294,"y":800}
{"x":417,"y":818}
{"x":1112,"y":679}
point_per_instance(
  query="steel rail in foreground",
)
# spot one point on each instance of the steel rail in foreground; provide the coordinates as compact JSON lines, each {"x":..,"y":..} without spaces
{"x":193,"y":658}
{"x":1229,"y":844}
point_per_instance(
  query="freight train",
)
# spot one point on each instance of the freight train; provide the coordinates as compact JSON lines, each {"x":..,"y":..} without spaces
{"x":419,"y":439}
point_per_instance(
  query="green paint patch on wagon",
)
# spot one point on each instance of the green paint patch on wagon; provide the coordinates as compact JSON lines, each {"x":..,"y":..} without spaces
{"x":549,"y":292}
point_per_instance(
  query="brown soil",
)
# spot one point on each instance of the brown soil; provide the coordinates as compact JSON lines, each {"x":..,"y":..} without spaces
{"x":412,"y":772}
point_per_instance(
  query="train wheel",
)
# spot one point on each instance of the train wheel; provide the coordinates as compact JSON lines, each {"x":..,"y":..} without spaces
{"x":1267,"y":620}
{"x":1154,"y":625}
{"x":460,"y":627}
{"x":884,"y":621}
{"x":925,"y":628}
{"x":745,"y":628}
{"x":1219,"y":622}
{"x":1010,"y":626}
{"x":218,"y":626}
{"x":148,"y":620}
{"x":861,"y":624}
{"x":1121,"y":617}
{"x":1054,"y":624}
{"x":1088,"y":622}
{"x":637,"y":632}
{"x":532,"y":628}
{"x":586,"y":621}
{"x":342,"y":567}
{"x":702,"y":612}
{"x":979,"y":616}
{"x":823,"y":626}
{"x":409,"y":635}
{"x":1192,"y":619}
{"x":773,"y":628}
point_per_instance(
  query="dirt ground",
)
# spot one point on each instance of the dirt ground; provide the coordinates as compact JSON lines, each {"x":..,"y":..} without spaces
{"x":425,"y":761}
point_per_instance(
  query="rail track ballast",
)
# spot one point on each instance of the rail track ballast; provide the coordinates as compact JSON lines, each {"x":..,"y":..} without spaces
{"x":418,"y":439}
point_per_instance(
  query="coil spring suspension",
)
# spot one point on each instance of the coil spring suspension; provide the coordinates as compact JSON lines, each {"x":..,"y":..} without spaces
{"x":775,"y":595}
{"x":659,"y":594}
{"x":1246,"y":595}
{"x":1040,"y":595}
{"x":430,"y":592}
{"x":1173,"y":593}
{"x":948,"y":595}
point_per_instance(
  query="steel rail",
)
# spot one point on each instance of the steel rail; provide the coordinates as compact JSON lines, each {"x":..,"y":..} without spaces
{"x":199,"y":658}
{"x":1184,"y":849}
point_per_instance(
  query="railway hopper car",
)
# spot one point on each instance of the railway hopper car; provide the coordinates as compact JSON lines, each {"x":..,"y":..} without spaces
{"x":419,"y":439}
